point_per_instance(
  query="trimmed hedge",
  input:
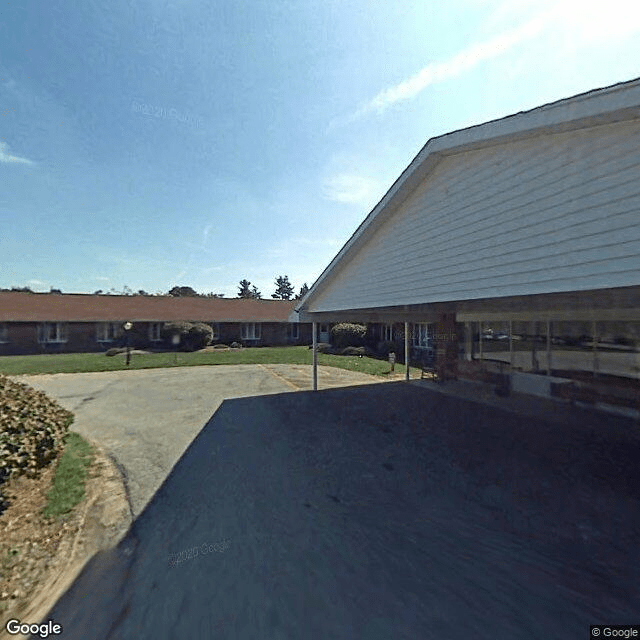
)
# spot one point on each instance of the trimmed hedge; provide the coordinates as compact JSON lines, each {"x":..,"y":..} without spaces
{"x":32,"y":429}
{"x":347,"y":334}
{"x":193,"y":336}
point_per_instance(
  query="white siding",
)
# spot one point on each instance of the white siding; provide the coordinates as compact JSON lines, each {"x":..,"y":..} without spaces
{"x":555,"y":213}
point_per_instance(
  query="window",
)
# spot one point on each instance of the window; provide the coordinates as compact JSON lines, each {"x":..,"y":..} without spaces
{"x":216,"y":331}
{"x":107,"y":331}
{"x":251,"y":331}
{"x":293,"y":331}
{"x":386,"y":332}
{"x":422,"y":336}
{"x":4,"y":333}
{"x":155,"y":331}
{"x":52,"y":332}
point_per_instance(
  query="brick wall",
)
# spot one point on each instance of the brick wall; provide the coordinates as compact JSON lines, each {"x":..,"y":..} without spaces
{"x":82,"y":337}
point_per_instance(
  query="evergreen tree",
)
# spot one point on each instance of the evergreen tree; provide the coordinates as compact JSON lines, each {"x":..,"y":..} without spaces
{"x":284,"y":289}
{"x":303,"y":291}
{"x":244,"y":290}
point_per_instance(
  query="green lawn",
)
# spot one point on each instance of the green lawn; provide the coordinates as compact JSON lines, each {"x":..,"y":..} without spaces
{"x":82,"y":362}
{"x":71,"y":472}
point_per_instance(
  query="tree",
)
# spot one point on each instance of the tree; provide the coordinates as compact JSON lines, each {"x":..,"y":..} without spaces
{"x":214,"y":295}
{"x":142,"y":292}
{"x":244,"y":290}
{"x":284,"y":289}
{"x":303,"y":291}
{"x":183,"y":292}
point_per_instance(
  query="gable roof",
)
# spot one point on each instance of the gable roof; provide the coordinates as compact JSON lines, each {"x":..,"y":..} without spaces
{"x":50,"y":307}
{"x":616,"y":103}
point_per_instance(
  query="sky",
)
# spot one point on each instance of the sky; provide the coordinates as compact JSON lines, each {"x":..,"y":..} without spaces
{"x":197,"y":143}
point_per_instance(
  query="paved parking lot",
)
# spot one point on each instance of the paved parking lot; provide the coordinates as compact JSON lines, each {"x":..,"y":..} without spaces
{"x":378,"y":511}
{"x":145,"y":419}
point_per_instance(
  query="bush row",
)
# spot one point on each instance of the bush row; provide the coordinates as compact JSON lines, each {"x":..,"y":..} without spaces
{"x":32,"y":428}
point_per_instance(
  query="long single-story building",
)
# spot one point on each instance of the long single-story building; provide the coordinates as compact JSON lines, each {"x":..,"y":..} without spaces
{"x":50,"y":322}
{"x":516,"y":241}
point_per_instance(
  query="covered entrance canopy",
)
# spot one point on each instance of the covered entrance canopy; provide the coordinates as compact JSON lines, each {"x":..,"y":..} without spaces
{"x":532,"y":219}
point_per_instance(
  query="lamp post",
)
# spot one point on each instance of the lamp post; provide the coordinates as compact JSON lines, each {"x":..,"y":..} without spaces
{"x":127,"y":326}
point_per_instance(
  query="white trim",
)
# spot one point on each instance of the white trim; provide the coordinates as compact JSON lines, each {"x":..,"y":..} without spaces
{"x":251,"y":331}
{"x":422,"y":335}
{"x":387,"y":332}
{"x":155,"y":331}
{"x":107,"y":331}
{"x":47,"y":329}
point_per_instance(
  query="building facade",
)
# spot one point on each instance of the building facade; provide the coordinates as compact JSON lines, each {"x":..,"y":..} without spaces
{"x":516,"y":240}
{"x":66,"y":323}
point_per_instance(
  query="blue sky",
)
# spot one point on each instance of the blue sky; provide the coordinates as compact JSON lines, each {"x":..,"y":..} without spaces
{"x":197,"y":143}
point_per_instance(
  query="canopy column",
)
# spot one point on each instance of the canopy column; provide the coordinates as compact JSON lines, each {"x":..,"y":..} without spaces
{"x":315,"y":355}
{"x":406,"y":351}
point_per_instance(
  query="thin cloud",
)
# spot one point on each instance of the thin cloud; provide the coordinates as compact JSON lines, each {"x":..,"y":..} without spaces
{"x":454,"y":66}
{"x":6,"y":157}
{"x":351,"y":189}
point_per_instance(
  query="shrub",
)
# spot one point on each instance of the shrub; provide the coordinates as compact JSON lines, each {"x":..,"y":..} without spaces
{"x":236,"y":345}
{"x":347,"y":334}
{"x":200,"y":336}
{"x":323,"y":347}
{"x":385,"y":347}
{"x":354,"y":351}
{"x":192,"y":336}
{"x":32,"y":428}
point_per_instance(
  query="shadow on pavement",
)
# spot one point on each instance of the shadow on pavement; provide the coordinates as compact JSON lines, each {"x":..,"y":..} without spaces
{"x":382,"y":511}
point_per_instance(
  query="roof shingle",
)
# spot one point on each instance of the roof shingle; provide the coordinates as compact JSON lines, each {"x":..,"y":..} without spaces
{"x":45,"y":307}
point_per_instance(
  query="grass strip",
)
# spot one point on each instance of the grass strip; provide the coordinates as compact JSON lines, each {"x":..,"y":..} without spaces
{"x":86,"y":362}
{"x":69,"y":482}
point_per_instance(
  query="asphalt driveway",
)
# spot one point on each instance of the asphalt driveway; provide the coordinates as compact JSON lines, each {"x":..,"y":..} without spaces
{"x":382,"y":511}
{"x":145,"y":419}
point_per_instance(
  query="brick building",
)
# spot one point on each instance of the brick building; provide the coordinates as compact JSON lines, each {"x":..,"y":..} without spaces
{"x":54,"y":323}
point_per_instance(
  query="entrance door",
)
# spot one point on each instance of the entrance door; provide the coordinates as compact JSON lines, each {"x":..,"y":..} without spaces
{"x":323,"y":333}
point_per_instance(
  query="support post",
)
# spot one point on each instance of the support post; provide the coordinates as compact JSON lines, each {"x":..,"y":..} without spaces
{"x":511,"y":344}
{"x":534,"y":357}
{"x":468,"y":342}
{"x":406,"y":351}
{"x":480,"y":339}
{"x":548,"y":347}
{"x":594,"y":333}
{"x":315,"y":355}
